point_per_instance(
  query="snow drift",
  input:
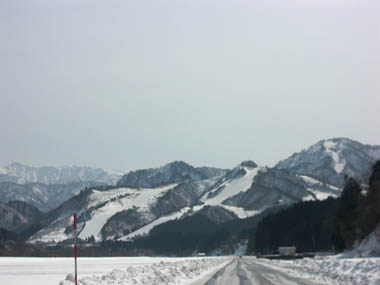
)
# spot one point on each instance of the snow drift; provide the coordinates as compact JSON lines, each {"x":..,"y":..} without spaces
{"x":161,"y":273}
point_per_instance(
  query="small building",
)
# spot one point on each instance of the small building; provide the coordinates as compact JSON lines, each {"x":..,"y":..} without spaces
{"x":287,"y":250}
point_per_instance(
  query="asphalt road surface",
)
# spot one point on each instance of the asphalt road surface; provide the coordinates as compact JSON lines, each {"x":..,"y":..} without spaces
{"x":245,"y":271}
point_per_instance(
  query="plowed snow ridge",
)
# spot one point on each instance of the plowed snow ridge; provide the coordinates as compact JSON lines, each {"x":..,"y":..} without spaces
{"x":160,"y":273}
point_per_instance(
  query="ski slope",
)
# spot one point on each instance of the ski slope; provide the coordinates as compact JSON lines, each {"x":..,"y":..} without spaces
{"x":147,"y":228}
{"x":319,"y":189}
{"x":232,"y":187}
{"x":339,"y":162}
{"x":117,"y":200}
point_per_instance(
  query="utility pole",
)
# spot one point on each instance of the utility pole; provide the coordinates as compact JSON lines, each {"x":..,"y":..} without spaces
{"x":75,"y":247}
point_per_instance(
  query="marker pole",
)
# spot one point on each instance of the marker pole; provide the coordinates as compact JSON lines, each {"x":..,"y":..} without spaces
{"x":75,"y":247}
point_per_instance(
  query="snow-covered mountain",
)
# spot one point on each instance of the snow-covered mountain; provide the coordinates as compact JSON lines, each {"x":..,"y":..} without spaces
{"x":16,"y":215}
{"x":42,"y":196}
{"x":95,"y":208}
{"x":22,"y":174}
{"x":248,"y":189}
{"x":173,"y":172}
{"x":124,"y":212}
{"x":330,"y":160}
{"x":274,"y":187}
{"x":144,"y":199}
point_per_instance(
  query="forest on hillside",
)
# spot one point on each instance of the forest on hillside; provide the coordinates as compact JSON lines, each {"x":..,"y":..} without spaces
{"x":332,"y":224}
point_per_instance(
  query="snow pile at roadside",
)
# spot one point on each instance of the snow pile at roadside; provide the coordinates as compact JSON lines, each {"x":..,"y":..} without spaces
{"x":160,"y":273}
{"x":369,"y":247}
{"x":331,"y":270}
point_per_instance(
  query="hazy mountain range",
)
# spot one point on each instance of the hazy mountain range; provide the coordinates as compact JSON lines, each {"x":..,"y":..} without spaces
{"x":143,"y":199}
{"x":23,"y":174}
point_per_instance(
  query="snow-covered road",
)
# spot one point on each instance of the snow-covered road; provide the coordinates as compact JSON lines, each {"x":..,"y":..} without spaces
{"x":246,"y":271}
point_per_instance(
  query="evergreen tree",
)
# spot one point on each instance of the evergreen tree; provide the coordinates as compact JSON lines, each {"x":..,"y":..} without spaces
{"x":368,"y":211}
{"x":301,"y":225}
{"x":342,"y":216}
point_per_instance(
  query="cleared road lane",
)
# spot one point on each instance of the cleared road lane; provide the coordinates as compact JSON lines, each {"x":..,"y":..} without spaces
{"x":245,"y":271}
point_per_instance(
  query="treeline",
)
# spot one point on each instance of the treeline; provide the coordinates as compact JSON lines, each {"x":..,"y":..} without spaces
{"x":178,"y":238}
{"x":12,"y":244}
{"x":193,"y":233}
{"x":301,"y":225}
{"x":357,"y":212}
{"x":332,"y":224}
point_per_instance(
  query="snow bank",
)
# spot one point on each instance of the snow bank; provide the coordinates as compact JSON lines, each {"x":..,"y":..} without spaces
{"x":50,"y":270}
{"x":160,"y":273}
{"x":369,"y":247}
{"x":331,"y":270}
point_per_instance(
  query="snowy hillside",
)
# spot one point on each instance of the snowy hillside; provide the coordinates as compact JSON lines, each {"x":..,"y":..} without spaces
{"x":16,"y":215}
{"x":234,"y":182}
{"x":330,"y":160}
{"x":273,"y":187}
{"x":43,"y":196}
{"x":20,"y":173}
{"x":245,"y":191}
{"x":115,"y":201}
{"x":10,"y":218}
{"x":108,"y":214}
{"x":211,"y":194}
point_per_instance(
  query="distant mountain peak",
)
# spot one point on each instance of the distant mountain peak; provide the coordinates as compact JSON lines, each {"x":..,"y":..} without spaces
{"x":248,"y":163}
{"x":329,"y":160}
{"x":15,"y":164}
{"x":341,"y":139}
{"x":178,"y":163}
{"x":172,"y":172}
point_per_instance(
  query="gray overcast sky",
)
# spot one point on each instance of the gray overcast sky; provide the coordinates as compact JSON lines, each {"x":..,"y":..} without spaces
{"x":133,"y":84}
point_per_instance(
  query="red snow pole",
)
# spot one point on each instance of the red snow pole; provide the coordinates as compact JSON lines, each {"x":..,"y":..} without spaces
{"x":75,"y":247}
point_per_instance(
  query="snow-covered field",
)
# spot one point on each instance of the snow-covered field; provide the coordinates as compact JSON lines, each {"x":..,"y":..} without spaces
{"x":331,"y":269}
{"x":114,"y":270}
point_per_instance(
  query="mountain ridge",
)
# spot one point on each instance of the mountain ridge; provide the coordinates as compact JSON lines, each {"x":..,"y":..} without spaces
{"x":330,"y":160}
{"x":171,"y":172}
{"x":22,"y":174}
{"x":144,"y":199}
